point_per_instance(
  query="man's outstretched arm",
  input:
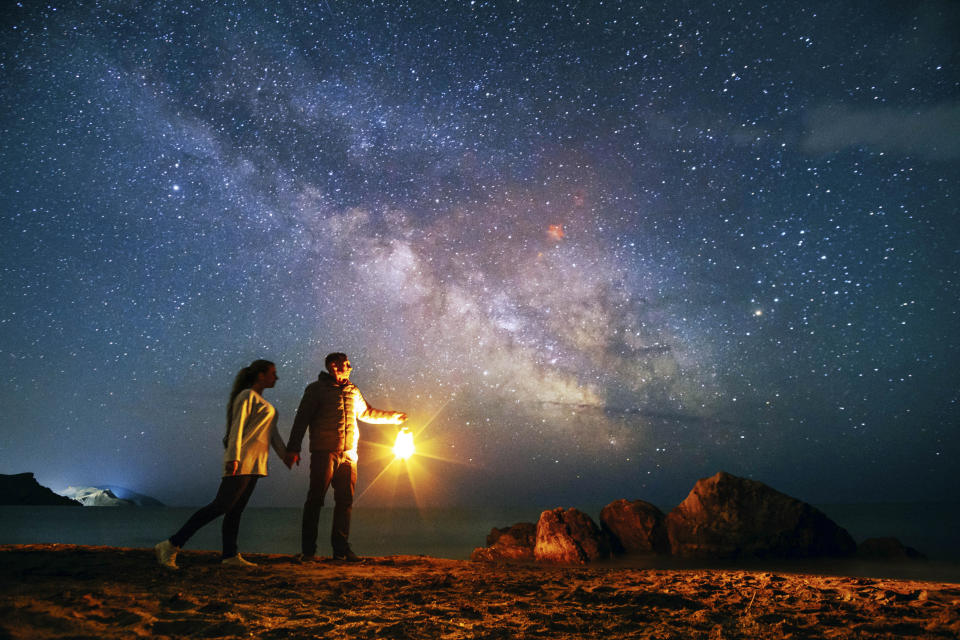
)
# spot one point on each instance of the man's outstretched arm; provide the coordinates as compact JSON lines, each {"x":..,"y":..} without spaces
{"x":377,"y":416}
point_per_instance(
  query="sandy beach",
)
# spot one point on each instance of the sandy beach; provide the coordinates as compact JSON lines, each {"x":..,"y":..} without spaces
{"x":66,"y":591}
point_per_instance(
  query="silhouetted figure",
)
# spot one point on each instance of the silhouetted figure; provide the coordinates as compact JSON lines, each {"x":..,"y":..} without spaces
{"x":330,"y":408}
{"x":251,"y":429}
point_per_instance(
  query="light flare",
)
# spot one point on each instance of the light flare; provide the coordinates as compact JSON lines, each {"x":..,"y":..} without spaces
{"x":403,"y":447}
{"x":414,"y":470}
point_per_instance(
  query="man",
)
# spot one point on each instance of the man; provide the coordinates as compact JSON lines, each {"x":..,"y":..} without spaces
{"x":330,"y":407}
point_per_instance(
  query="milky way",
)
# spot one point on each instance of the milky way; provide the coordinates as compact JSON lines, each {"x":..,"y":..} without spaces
{"x":595,"y":250}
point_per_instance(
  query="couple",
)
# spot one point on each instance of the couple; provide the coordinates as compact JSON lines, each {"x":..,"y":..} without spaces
{"x":330,"y":408}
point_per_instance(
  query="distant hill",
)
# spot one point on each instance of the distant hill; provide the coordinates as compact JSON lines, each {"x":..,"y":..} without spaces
{"x":23,"y":489}
{"x":94,"y":497}
{"x":129,"y":495}
{"x":109,"y":496}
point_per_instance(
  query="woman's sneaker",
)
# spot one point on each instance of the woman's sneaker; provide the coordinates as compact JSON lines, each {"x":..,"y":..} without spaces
{"x":166,"y":554}
{"x":237,"y":561}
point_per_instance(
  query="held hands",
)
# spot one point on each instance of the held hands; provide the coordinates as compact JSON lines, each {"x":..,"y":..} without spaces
{"x":290,"y":459}
{"x":232,"y":467}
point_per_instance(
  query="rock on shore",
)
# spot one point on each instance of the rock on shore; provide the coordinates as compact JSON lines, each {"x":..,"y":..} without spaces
{"x":509,"y":543}
{"x":570,"y":537}
{"x":635,"y":527}
{"x":729,"y":517}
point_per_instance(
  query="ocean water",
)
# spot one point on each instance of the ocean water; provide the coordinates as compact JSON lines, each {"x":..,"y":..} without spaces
{"x":443,"y":533}
{"x":932,"y":528}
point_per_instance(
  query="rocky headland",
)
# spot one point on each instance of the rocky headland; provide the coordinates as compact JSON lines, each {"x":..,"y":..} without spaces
{"x":23,"y":489}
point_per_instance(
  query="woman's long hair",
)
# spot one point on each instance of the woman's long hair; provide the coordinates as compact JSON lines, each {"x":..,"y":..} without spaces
{"x":244,"y":380}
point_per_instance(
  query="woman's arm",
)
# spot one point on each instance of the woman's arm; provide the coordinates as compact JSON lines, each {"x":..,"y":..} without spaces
{"x":242,"y":407}
{"x":275,"y":440}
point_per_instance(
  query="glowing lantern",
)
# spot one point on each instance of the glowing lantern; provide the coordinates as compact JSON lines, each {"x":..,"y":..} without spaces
{"x":403,"y":448}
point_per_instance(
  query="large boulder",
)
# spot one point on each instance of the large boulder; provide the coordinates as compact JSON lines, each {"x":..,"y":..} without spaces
{"x":635,"y":527}
{"x":509,"y":543}
{"x":569,"y":537}
{"x":729,"y":517}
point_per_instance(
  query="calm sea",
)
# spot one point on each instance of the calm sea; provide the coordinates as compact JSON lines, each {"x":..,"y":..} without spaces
{"x":444,"y":533}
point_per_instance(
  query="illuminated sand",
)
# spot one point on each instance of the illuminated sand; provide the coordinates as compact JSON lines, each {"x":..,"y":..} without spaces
{"x":53,"y":591}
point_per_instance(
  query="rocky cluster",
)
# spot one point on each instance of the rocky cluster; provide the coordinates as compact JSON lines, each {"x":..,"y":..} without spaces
{"x":723,"y":517}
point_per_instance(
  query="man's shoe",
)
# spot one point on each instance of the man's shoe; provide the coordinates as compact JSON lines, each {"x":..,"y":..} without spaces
{"x":301,"y":558}
{"x":346,"y":556}
{"x":237,"y":561}
{"x":166,"y":554}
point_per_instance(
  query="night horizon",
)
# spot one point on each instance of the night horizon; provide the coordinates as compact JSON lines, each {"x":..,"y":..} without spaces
{"x":594,"y":252}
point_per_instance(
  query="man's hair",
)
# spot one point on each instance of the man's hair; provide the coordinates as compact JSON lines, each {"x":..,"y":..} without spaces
{"x":334,"y":358}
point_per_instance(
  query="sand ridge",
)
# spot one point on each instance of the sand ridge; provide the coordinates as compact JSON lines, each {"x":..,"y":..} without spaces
{"x":68,"y":591}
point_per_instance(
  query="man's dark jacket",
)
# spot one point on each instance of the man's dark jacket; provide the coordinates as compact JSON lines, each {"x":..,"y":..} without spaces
{"x":330,"y":411}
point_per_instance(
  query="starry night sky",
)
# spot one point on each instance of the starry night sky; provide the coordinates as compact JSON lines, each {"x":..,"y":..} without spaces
{"x":595,"y":250}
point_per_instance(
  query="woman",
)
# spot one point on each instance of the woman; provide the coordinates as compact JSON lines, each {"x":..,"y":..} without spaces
{"x":251,"y":429}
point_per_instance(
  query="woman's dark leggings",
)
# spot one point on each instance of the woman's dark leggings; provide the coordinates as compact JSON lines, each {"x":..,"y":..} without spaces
{"x":231,"y":498}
